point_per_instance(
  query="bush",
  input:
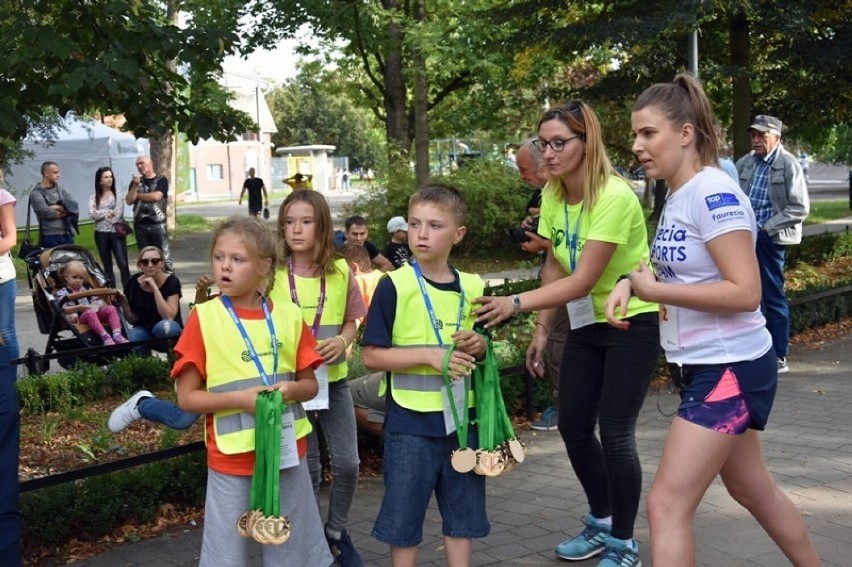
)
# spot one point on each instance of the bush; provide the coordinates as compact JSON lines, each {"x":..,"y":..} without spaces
{"x":92,"y":508}
{"x":819,"y":249}
{"x":133,"y":373}
{"x":85,"y":382}
{"x":495,"y":202}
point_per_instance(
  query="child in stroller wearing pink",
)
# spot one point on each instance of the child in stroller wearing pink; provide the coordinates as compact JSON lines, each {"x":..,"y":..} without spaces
{"x":90,"y":311}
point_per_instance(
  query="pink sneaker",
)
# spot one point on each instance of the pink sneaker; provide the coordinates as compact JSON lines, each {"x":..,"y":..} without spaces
{"x":107,"y":340}
{"x":119,"y":339}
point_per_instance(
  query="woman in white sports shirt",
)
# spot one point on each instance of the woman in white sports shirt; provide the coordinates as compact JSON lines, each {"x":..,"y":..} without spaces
{"x":711,"y":328}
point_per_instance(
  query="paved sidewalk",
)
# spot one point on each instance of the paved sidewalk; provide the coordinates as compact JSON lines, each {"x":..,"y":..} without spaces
{"x":808,"y":446}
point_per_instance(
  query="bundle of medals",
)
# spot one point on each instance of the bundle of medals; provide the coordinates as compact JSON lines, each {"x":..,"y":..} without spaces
{"x":263,"y":522}
{"x":499,"y":448}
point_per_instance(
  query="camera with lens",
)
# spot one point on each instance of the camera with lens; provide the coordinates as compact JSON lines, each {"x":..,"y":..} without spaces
{"x":518,"y":234}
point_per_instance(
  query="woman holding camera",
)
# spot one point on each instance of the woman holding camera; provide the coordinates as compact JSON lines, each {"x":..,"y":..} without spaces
{"x":106,"y":207}
{"x":597,"y":232}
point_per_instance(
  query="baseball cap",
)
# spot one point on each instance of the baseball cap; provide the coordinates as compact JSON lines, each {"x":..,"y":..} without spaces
{"x":397,"y":223}
{"x":766,"y":123}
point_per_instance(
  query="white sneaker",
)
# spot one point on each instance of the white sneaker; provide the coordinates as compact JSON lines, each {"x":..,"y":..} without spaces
{"x":782,"y":365}
{"x":126,"y":413}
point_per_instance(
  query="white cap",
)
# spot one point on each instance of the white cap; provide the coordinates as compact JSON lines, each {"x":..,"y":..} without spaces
{"x":397,"y":223}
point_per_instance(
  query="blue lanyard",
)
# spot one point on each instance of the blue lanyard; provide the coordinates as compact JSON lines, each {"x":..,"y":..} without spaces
{"x":431,"y":310}
{"x":252,"y":352}
{"x":294,"y":297}
{"x":571,"y":243}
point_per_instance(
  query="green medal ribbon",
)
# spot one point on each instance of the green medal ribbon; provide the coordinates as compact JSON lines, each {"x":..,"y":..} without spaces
{"x":265,"y":489}
{"x":495,"y":427}
{"x":461,"y":425}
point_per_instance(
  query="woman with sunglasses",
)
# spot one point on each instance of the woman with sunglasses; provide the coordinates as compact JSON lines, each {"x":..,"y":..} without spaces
{"x":151,"y":299}
{"x":597,"y":233}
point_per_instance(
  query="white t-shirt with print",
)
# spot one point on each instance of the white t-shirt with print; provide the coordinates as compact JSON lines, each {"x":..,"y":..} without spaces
{"x":707,"y":206}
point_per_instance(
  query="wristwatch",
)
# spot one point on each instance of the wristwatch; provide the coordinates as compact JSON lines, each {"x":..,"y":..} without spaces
{"x":516,"y":305}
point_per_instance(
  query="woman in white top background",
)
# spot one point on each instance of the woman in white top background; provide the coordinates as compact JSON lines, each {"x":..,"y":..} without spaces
{"x":106,"y":207}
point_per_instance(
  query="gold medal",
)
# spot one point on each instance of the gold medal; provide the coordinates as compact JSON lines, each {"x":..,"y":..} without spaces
{"x":277,"y":529}
{"x":517,"y":450}
{"x":258,"y":532}
{"x":463,"y":460}
{"x":242,"y":525}
{"x":496,"y":464}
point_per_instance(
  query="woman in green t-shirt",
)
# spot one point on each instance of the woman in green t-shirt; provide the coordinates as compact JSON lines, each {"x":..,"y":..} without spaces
{"x":597,"y":232}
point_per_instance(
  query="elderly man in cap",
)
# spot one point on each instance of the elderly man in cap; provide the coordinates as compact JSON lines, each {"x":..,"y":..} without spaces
{"x":772,"y":178}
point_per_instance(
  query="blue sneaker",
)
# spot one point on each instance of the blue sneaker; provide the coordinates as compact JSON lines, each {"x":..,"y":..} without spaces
{"x":548,"y":422}
{"x":588,"y":544}
{"x":344,"y":552}
{"x":618,"y":554}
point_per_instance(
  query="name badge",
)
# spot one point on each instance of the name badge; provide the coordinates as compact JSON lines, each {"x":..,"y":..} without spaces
{"x":669,"y":339}
{"x":581,"y":312}
{"x":289,"y":449}
{"x":320,"y":401}
{"x":458,"y":401}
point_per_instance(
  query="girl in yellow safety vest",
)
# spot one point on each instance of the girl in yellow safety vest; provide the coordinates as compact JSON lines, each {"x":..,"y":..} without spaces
{"x":233,"y":347}
{"x":314,"y":277}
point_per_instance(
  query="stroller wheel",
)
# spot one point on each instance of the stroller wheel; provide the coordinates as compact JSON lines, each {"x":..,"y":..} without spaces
{"x":35,"y":364}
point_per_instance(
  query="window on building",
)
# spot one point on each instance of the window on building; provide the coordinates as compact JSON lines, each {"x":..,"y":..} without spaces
{"x":249,"y":136}
{"x":214,"y":172}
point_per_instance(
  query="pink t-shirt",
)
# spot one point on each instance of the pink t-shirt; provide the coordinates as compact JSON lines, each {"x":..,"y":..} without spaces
{"x":5,"y":199}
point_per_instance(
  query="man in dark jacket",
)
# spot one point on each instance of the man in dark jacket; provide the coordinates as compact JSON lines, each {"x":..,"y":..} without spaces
{"x":55,"y":208}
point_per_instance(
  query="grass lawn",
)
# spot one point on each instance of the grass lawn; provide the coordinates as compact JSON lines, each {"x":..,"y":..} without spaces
{"x":822,"y":211}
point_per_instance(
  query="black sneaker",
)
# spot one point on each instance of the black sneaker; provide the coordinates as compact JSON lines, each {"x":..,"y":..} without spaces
{"x":344,"y":552}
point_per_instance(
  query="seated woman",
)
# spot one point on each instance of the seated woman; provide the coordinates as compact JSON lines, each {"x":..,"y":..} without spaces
{"x":151,"y":299}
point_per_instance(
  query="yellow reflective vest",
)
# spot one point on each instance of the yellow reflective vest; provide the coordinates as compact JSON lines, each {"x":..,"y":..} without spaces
{"x":228,"y":371}
{"x":419,"y":388}
{"x":308,"y":293}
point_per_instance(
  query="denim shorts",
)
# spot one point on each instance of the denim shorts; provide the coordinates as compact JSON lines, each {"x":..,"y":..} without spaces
{"x":729,"y":398}
{"x":414,"y":467}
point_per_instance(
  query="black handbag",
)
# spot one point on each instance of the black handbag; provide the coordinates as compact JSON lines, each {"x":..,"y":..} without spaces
{"x":27,"y":248}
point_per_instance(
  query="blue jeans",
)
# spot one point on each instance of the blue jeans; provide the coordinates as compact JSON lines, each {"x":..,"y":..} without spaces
{"x":51,"y":240}
{"x":165,"y":412}
{"x":163,"y":329}
{"x":341,"y":436}
{"x":10,"y":425}
{"x":8,"y":291}
{"x":603,"y":381}
{"x":773,"y":302}
{"x":414,"y":467}
{"x":110,"y":245}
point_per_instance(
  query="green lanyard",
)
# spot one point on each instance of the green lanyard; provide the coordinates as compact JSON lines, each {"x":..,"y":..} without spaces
{"x":495,"y":427}
{"x":265,"y":489}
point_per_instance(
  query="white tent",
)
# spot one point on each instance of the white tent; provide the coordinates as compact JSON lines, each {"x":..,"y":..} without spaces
{"x":80,"y":148}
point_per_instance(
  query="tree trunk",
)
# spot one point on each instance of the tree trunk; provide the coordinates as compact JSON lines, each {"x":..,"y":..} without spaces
{"x":396,"y":125}
{"x":660,"y":189}
{"x":738,"y":28}
{"x":421,"y":109}
{"x":162,"y":139}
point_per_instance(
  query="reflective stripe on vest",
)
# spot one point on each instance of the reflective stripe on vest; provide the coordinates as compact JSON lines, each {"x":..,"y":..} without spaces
{"x":419,"y":388}
{"x":308,"y":292}
{"x":228,"y":371}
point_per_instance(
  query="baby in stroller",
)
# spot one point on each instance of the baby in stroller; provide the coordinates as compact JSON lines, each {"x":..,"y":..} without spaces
{"x":91,"y":311}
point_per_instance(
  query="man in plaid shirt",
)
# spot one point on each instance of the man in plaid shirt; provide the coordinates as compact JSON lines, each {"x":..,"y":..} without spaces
{"x":772,"y":178}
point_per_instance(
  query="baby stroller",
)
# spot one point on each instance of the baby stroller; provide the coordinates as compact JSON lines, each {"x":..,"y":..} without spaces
{"x":63,"y":334}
